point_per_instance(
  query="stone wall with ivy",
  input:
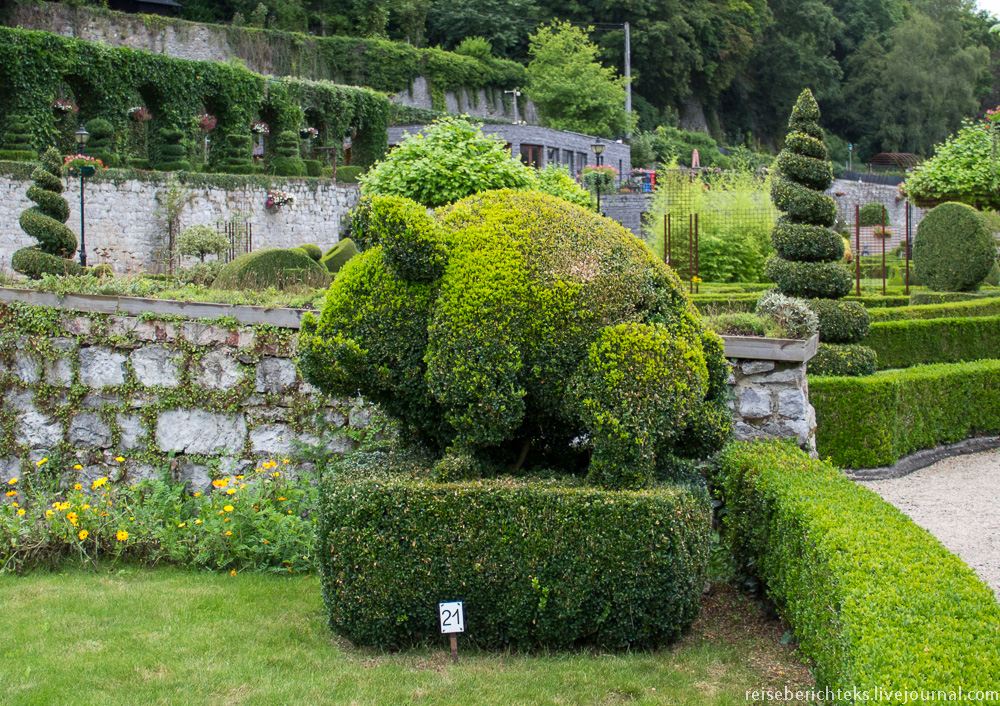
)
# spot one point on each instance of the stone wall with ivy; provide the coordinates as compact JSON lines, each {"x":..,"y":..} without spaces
{"x":127,"y":212}
{"x":424,"y":78}
{"x":198,"y":398}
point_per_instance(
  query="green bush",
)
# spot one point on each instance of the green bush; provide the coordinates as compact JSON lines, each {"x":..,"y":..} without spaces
{"x":840,"y":321}
{"x":993,"y":278}
{"x":874,"y":421}
{"x":555,"y":180}
{"x":954,"y":249}
{"x":287,"y":161}
{"x":802,"y":204}
{"x":172,"y":152}
{"x":925,"y":298}
{"x":45,"y":222}
{"x":977,"y":307}
{"x":101,"y":143}
{"x":739,"y":323}
{"x":337,"y":256}
{"x":201,"y":240}
{"x":18,"y":142}
{"x":18,"y":156}
{"x":792,"y":315}
{"x":805,"y":243}
{"x":313,"y":251}
{"x":813,"y":173}
{"x":102,"y":271}
{"x":349,"y":174}
{"x":282,"y":269}
{"x":900,"y":344}
{"x":875,"y":601}
{"x":873,"y":213}
{"x":809,"y":280}
{"x":466,"y":324}
{"x":236,"y":154}
{"x":536,"y":564}
{"x":314,"y":167}
{"x":843,"y":359}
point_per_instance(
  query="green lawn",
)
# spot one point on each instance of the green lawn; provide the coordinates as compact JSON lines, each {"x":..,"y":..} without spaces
{"x":167,"y":636}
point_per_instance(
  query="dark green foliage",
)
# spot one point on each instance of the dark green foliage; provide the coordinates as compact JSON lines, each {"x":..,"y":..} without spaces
{"x":314,"y":167}
{"x":806,"y":243}
{"x":802,"y":204}
{"x":984,"y":306}
{"x":337,"y":256}
{"x":808,"y":280}
{"x":281,"y":269}
{"x":236,"y":154}
{"x":841,"y":322}
{"x":876,"y":420}
{"x":844,"y":359}
{"x":17,"y":139}
{"x":872,"y":213}
{"x":808,"y":171}
{"x":486,"y":331}
{"x":101,"y":143}
{"x":45,"y":222}
{"x":738,"y":323}
{"x":993,"y":278}
{"x":954,"y":249}
{"x":17,"y":156}
{"x":172,"y":151}
{"x":922,"y":298}
{"x":102,"y":271}
{"x":288,"y":162}
{"x":901,"y":344}
{"x":313,"y":251}
{"x":536,"y":564}
{"x":349,"y":174}
{"x":805,"y":145}
{"x":875,"y":601}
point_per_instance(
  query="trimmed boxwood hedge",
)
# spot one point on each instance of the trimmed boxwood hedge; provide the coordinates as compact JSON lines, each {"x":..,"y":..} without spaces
{"x":900,"y":344}
{"x":808,"y":280}
{"x":873,"y":421}
{"x":921,"y":298}
{"x":874,"y":600}
{"x":972,"y":308}
{"x":843,"y":359}
{"x":794,"y":241}
{"x":537,"y":564}
{"x":954,"y":249}
{"x":840,"y":321}
{"x":282,"y":269}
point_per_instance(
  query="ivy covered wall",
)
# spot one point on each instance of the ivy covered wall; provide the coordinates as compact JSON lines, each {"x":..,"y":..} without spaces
{"x":37,"y":68}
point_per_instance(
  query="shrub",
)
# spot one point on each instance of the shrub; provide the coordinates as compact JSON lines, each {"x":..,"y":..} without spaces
{"x":988,"y":306}
{"x":993,"y":278}
{"x":873,"y":213}
{"x":741,"y":323}
{"x":236,"y":155}
{"x":876,"y":420}
{"x":901,"y":344}
{"x":809,"y":280}
{"x":805,"y":243}
{"x":538,"y":564}
{"x":287,"y":161}
{"x":844,"y":359}
{"x":313,"y":251}
{"x":101,"y":143}
{"x":349,"y":174}
{"x":18,"y":142}
{"x":314,"y":167}
{"x":954,"y":249}
{"x":172,"y":152}
{"x":102,"y":271}
{"x":282,"y":269}
{"x":924,"y":298}
{"x":201,"y":240}
{"x":337,"y":256}
{"x":203,"y":274}
{"x":793,"y":315}
{"x":556,"y":181}
{"x":471,"y":326}
{"x":841,"y":322}
{"x":875,"y":601}
{"x":45,"y":222}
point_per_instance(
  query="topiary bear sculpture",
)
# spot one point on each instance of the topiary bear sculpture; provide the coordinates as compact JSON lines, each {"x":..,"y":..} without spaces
{"x":513,"y":324}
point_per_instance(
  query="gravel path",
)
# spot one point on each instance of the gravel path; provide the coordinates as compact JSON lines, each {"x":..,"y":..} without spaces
{"x":958,"y":501}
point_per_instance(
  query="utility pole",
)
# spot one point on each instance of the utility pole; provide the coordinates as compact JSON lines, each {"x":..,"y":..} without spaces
{"x":628,"y":74}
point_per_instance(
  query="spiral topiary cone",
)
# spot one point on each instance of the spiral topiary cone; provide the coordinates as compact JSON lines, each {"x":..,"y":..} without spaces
{"x":808,"y":255}
{"x":45,"y":222}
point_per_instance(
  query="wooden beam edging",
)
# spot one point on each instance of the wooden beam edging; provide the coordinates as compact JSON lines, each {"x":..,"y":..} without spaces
{"x":133,"y":306}
{"x":755,"y":348}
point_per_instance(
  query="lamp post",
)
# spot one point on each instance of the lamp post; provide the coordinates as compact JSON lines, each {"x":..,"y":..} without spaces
{"x":598,"y":149}
{"x":81,"y":139}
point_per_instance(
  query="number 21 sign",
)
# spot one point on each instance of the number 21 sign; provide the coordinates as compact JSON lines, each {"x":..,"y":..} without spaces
{"x":452,"y":617}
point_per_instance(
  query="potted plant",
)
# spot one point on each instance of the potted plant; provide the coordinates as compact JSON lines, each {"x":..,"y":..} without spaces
{"x":308,"y":133}
{"x":277,"y":198}
{"x":139,"y":114}
{"x":82,"y":165}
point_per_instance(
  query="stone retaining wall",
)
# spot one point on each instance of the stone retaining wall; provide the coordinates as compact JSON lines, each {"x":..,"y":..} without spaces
{"x":126,"y":229}
{"x":199,"y":399}
{"x":770,"y":399}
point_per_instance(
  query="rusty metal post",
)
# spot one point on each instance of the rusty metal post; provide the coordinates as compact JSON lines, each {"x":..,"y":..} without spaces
{"x":884,"y":209}
{"x":690,"y":253}
{"x":697,"y":255}
{"x":857,"y":248}
{"x":666,"y":238}
{"x":906,"y":248}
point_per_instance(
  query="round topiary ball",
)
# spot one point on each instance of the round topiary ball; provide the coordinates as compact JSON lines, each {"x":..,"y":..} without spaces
{"x":954,"y":249}
{"x":281,"y":269}
{"x":840,"y":321}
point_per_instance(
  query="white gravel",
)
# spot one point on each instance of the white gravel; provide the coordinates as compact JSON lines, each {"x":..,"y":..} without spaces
{"x":958,"y":501}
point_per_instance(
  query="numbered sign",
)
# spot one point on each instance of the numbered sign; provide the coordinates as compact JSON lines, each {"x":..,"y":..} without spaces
{"x":452,"y":617}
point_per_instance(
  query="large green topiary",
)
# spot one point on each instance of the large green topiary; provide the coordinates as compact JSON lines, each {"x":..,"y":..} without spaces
{"x":808,"y":255}
{"x":954,"y":249}
{"x":236,"y":155}
{"x":100,"y":144}
{"x":281,"y":269}
{"x":287,"y":161}
{"x":17,"y":143}
{"x":45,"y":222}
{"x":172,"y":151}
{"x":349,"y":174}
{"x":337,"y":256}
{"x":513,"y":325}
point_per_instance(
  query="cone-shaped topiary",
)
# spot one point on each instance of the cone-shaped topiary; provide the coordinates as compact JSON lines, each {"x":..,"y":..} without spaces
{"x":172,"y":152}
{"x":17,"y":140}
{"x":236,"y":155}
{"x":288,"y":162}
{"x":808,"y":255}
{"x":100,"y":144}
{"x":46,"y":224}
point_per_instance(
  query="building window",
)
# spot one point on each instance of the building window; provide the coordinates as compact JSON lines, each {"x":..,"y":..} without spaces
{"x":552,"y":156}
{"x":532,"y":155}
{"x":581,"y":158}
{"x":568,"y":161}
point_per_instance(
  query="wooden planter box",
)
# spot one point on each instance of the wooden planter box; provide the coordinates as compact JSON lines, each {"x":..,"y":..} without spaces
{"x":791,"y":350}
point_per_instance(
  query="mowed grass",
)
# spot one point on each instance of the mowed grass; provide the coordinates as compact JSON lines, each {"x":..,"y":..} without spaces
{"x":166,"y":636}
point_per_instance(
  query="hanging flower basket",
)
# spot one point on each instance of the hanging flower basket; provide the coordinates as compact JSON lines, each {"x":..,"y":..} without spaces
{"x":308,"y":133}
{"x":64,"y":106}
{"x":81,"y":165}
{"x":139,"y":114}
{"x":206,"y":121}
{"x":277,"y":198}
{"x":602,"y":177}
{"x":259,"y":128}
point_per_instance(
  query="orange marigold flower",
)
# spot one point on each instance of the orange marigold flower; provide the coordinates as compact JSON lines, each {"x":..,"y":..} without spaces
{"x":239,"y":477}
{"x":228,"y":508}
{"x":281,"y":499}
{"x":11,"y":493}
{"x":119,"y":459}
{"x":83,"y":534}
{"x":233,"y":572}
{"x":48,"y":513}
{"x":12,"y":481}
{"x":220,"y":482}
{"x":79,"y":468}
{"x":100,"y":482}
{"x":20,"y":512}
{"x":77,"y":486}
{"x":285,"y":461}
{"x":230,"y":491}
{"x":14,"y":505}
{"x":197,"y":495}
{"x":228,"y":533}
{"x":121,"y":535}
{"x":183,"y":524}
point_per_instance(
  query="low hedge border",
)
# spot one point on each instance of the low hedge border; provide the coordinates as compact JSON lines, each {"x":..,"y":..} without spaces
{"x":866,"y":422}
{"x":901,"y":344}
{"x":922,"y":298}
{"x":747,"y":302}
{"x":968,"y":309}
{"x":875,"y":600}
{"x":537,"y":564}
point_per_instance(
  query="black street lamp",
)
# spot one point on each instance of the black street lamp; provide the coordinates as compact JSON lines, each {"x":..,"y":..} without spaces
{"x":598,"y":149}
{"x":81,"y":139}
